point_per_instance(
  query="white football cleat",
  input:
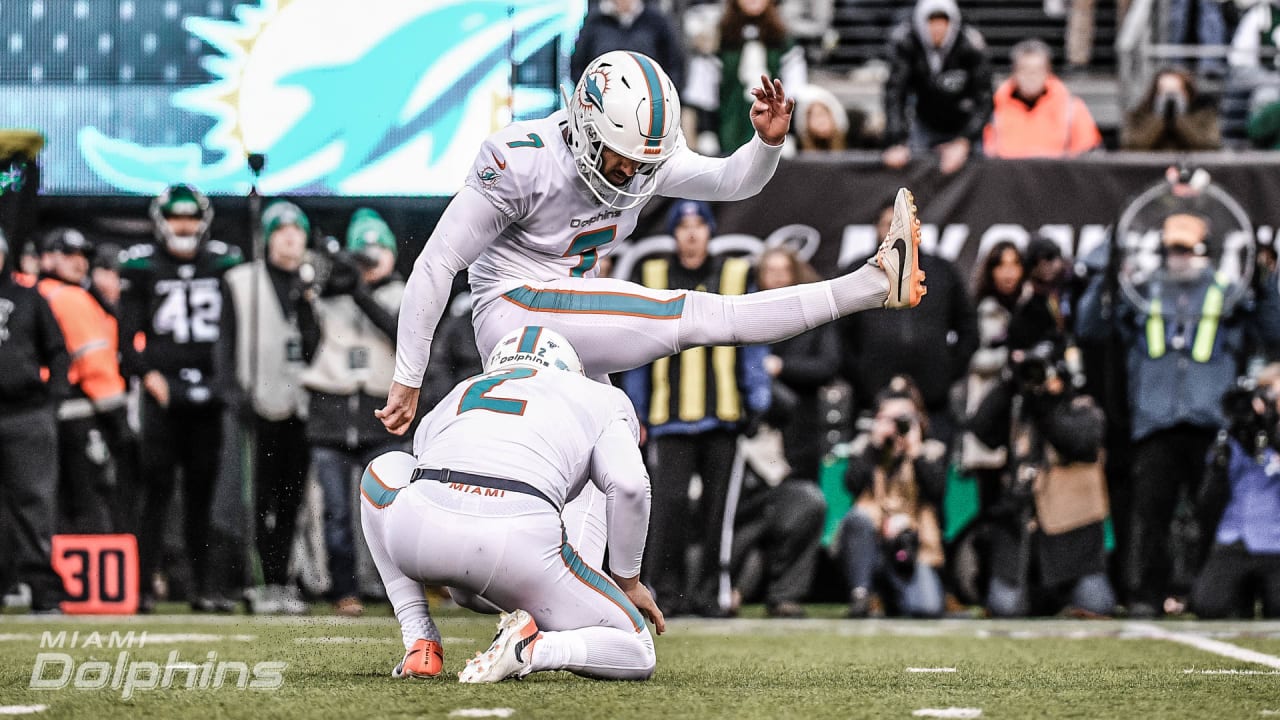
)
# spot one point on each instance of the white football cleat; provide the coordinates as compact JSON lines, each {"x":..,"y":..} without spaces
{"x":899,"y":254}
{"x":510,"y":654}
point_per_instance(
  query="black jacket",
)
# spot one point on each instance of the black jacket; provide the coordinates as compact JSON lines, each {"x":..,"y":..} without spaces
{"x":809,"y":361}
{"x":29,"y":340}
{"x":952,"y":93}
{"x":651,"y":34}
{"x":1075,"y":428}
{"x":930,"y":475}
{"x":932,"y":343}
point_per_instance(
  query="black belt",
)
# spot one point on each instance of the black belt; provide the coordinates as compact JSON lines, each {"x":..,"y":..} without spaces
{"x":445,"y":475}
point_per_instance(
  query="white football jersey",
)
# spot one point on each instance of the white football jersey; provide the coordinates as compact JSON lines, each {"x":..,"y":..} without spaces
{"x":558,"y":229}
{"x":519,"y":423}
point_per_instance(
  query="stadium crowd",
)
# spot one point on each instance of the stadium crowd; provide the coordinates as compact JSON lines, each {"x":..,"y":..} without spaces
{"x":975,"y":443}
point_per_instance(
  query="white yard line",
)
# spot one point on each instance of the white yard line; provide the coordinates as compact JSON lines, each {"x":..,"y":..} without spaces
{"x":483,"y":712}
{"x":371,"y":640}
{"x":22,"y":709}
{"x":950,"y":712}
{"x":1193,"y":671}
{"x":174,"y":638}
{"x":1209,"y":645}
{"x":931,"y":670}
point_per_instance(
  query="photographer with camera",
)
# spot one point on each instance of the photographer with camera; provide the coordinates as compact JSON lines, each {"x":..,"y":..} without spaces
{"x":1172,"y":115}
{"x":272,"y":334}
{"x":1046,"y":525}
{"x":891,"y":539}
{"x":348,"y":380}
{"x":1241,"y":499}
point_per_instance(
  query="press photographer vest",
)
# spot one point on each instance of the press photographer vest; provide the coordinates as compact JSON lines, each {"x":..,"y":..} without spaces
{"x":1206,"y":329}
{"x":354,"y":355}
{"x":277,"y":393}
{"x":691,"y":374}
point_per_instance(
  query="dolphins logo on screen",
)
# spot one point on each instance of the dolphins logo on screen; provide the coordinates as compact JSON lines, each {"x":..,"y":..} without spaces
{"x":377,"y":97}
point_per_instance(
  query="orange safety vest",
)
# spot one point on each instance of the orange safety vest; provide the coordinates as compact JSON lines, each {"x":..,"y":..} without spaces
{"x":90,"y":333}
{"x":1058,"y":125}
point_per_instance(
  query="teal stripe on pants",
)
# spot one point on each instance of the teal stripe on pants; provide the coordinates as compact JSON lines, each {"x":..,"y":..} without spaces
{"x":605,"y":303}
{"x":378,"y":494}
{"x":586,"y":574}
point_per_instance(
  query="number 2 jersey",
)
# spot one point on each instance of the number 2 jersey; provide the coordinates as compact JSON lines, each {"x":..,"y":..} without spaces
{"x":553,"y":430}
{"x":177,"y":306}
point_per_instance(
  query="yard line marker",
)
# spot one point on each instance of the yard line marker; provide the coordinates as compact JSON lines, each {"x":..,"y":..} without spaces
{"x":346,"y":641}
{"x":951,"y":712}
{"x":931,"y":670}
{"x":11,"y":637}
{"x":483,"y":712}
{"x":1193,"y":671}
{"x":173,"y":638}
{"x":329,"y":640}
{"x":22,"y":709}
{"x":1217,"y":647}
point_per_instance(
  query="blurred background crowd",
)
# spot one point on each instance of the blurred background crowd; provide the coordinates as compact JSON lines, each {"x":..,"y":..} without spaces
{"x":1033,"y":439}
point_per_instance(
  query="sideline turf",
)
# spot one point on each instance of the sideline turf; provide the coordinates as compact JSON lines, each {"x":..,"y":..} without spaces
{"x":733,"y":669}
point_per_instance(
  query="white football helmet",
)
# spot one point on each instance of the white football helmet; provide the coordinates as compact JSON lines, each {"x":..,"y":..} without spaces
{"x":624,"y":101}
{"x":534,"y":346}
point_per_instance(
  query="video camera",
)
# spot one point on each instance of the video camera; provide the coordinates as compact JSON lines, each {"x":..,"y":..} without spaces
{"x":1252,"y":417}
{"x":1037,"y":366}
{"x":339,"y":270}
{"x":901,"y":544}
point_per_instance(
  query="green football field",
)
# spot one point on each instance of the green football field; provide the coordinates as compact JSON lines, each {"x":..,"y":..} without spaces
{"x":328,"y":667}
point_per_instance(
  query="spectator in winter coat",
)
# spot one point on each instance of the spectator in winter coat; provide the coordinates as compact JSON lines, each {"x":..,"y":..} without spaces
{"x":1035,"y":114}
{"x":939,"y":64}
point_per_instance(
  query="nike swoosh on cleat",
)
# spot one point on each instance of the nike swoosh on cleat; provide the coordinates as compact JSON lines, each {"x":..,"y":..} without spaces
{"x":900,"y":247}
{"x":520,"y":646}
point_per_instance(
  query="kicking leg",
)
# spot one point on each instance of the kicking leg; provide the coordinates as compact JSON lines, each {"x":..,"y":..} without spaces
{"x":616,"y":325}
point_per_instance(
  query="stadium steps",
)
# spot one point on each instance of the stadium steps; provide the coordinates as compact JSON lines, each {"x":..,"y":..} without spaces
{"x":864,"y":27}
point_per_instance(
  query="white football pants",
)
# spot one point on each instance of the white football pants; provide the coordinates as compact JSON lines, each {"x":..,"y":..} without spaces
{"x":509,"y":548}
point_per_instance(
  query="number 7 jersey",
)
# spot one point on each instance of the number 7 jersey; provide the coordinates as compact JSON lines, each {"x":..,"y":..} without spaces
{"x":558,"y":229}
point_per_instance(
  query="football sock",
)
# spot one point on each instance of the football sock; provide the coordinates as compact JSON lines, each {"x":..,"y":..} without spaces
{"x":411,"y":610}
{"x":599,"y":652}
{"x":774,"y":315}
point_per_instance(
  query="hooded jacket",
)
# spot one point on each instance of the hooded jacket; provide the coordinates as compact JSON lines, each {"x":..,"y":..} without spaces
{"x":951,"y":84}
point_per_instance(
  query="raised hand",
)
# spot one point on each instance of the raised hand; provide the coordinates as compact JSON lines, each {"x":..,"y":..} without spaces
{"x":771,"y":112}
